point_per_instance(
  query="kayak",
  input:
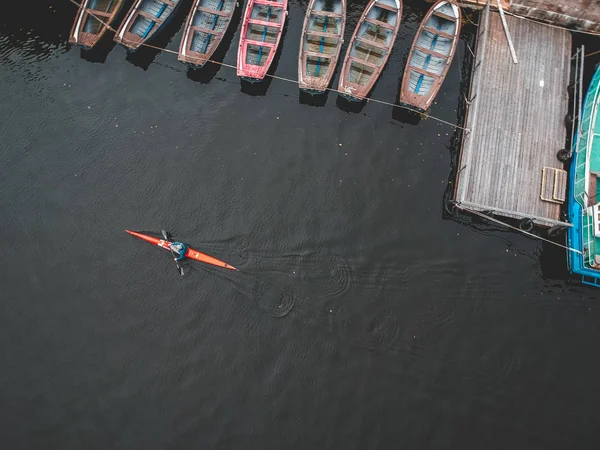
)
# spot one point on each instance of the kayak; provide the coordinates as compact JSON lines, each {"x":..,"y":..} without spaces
{"x":191,"y":253}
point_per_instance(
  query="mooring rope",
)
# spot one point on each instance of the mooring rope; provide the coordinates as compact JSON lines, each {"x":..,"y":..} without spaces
{"x":288,"y":80}
{"x":493,"y":219}
{"x":592,"y":54}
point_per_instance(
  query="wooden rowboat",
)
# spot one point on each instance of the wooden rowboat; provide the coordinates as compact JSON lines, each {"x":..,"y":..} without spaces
{"x":431,"y":55}
{"x":370,"y":48}
{"x":204,"y":29}
{"x":144,"y":20}
{"x":92,"y":20}
{"x":260,"y":37}
{"x":322,"y":38}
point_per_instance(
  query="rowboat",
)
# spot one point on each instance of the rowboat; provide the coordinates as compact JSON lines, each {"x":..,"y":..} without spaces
{"x":92,"y":20}
{"x":144,"y":20}
{"x":260,"y":37}
{"x":370,"y":48}
{"x":191,"y":253}
{"x":322,"y":38}
{"x":431,"y":55}
{"x":204,"y":29}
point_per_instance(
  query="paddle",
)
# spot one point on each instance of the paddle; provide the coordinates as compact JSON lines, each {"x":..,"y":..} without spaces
{"x":166,"y":237}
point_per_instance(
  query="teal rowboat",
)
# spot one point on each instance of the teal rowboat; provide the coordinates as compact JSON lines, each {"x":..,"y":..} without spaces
{"x":584,"y":206}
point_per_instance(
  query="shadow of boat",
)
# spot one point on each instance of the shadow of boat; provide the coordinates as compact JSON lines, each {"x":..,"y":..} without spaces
{"x":405,"y":115}
{"x":318,"y":100}
{"x":100,"y":52}
{"x":349,"y":106}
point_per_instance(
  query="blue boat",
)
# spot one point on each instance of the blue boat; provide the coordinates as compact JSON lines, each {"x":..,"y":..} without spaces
{"x":583,"y":237}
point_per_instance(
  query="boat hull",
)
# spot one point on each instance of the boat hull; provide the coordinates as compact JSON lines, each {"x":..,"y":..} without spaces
{"x":204,"y":31}
{"x":137,"y":28}
{"x":412,"y":107}
{"x":252,"y":80}
{"x":323,"y":29}
{"x":191,"y":253}
{"x":352,"y":99}
{"x":575,"y":237}
{"x":431,"y":55}
{"x":313,"y":92}
{"x":366,"y":58}
{"x":103,"y":19}
{"x":260,"y":37}
{"x":582,"y":240}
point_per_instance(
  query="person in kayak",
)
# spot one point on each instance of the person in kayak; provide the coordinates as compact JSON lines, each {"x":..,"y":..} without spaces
{"x":180,"y":249}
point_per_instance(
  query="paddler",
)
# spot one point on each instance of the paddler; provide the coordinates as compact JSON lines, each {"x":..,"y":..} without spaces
{"x":180,"y":249}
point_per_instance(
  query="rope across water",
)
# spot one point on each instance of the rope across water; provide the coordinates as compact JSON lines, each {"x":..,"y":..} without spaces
{"x":527,"y":233}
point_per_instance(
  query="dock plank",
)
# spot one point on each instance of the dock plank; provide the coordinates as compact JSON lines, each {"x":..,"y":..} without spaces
{"x":516,"y":121}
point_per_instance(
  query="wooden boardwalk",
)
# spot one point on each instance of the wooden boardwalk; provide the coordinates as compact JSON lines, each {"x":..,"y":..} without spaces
{"x":517,"y":121}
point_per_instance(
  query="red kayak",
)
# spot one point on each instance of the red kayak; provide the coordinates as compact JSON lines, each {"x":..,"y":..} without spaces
{"x":191,"y":253}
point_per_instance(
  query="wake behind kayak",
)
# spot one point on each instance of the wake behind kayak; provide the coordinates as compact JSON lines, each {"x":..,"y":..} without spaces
{"x":181,"y":251}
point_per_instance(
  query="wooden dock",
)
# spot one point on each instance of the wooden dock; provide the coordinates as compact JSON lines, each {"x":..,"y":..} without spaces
{"x":516,"y":117}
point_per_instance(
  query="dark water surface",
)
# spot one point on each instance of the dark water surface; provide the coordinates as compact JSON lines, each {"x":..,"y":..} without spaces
{"x":408,"y":329}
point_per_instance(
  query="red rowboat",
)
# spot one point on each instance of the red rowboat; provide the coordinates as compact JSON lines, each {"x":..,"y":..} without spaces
{"x":191,"y":253}
{"x":260,"y":36}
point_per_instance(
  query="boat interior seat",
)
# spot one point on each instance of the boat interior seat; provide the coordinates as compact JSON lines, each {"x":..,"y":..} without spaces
{"x":383,"y":15}
{"x":217,"y":5}
{"x":321,"y":44}
{"x":442,"y":24}
{"x":369,"y":53}
{"x":267,"y":13}
{"x":359,"y":73}
{"x":156,"y":7}
{"x":377,"y":34}
{"x":419,"y":83}
{"x":317,"y":67}
{"x":325,"y":24}
{"x":141,"y":26}
{"x":257,"y":55}
{"x":435,"y":42}
{"x":430,"y":63}
{"x":201,"y":42}
{"x":210,"y":21}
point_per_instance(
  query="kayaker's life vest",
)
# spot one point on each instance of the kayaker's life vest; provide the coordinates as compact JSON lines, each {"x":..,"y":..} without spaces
{"x":180,"y":249}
